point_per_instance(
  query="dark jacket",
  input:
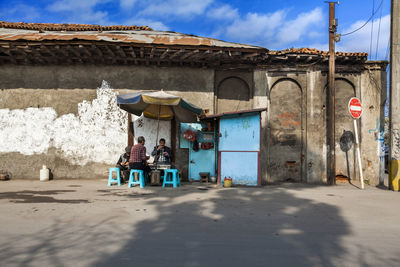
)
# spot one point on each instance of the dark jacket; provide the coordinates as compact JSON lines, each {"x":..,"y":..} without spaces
{"x":156,"y":154}
{"x":124,"y":158}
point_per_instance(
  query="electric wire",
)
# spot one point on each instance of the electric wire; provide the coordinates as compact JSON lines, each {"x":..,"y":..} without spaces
{"x":379,"y":31}
{"x":372,"y":30}
{"x":387,"y":49}
{"x":348,"y":33}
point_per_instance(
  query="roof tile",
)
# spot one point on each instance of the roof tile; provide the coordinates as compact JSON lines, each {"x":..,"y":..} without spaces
{"x":313,"y":51}
{"x":69,"y":27}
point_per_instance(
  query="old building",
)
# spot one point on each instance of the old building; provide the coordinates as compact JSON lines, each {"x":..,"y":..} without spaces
{"x":51,"y":112}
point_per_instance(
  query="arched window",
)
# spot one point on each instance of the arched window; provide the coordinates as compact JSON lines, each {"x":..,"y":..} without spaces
{"x":233,"y":94}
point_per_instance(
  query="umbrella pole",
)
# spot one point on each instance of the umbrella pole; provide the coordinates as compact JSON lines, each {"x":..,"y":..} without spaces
{"x":158,"y":123}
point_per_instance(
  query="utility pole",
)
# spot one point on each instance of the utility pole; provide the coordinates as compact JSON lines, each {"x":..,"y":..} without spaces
{"x":131,"y":136}
{"x":394,"y":96}
{"x":331,"y":96}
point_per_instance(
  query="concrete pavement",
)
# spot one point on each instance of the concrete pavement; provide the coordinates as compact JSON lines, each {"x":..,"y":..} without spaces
{"x":86,"y":223}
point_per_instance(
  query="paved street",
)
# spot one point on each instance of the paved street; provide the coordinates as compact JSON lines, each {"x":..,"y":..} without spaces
{"x":86,"y":223}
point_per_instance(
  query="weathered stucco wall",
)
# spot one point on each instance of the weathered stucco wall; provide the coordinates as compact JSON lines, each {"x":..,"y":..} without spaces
{"x":119,"y":77}
{"x":295,"y":132}
{"x":373,"y":85}
{"x":91,"y":137}
{"x":286,"y":119}
{"x":316,"y":128}
{"x":54,"y":115}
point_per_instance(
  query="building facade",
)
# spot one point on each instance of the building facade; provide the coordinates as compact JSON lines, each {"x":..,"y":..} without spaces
{"x":56,"y":110}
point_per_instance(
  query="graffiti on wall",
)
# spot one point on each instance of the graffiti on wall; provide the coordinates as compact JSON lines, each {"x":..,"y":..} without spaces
{"x":96,"y":134}
{"x":289,"y":119}
{"x":377,"y":126}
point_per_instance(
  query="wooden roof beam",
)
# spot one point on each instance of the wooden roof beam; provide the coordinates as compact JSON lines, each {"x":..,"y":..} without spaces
{"x":109,"y":50}
{"x":152,"y":52}
{"x":177,"y":53}
{"x":142,"y":52}
{"x":37,"y":56}
{"x":250,"y":55}
{"x":164,"y":54}
{"x":121,"y":51}
{"x":131,"y":51}
{"x":61,"y":50}
{"x":12,"y":57}
{"x":73,"y":51}
{"x":189,"y":54}
{"x":86,"y":51}
{"x":48,"y":50}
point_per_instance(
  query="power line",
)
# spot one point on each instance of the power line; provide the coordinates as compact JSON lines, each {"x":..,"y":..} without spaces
{"x":387,"y":49}
{"x":344,"y":34}
{"x":372,"y":30}
{"x":379,"y":31}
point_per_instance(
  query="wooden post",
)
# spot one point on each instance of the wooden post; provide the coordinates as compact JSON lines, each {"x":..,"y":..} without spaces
{"x":331,"y":96}
{"x":131,"y":130}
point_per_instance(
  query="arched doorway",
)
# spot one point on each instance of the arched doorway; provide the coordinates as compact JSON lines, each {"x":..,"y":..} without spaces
{"x":343,"y":122}
{"x":285,"y":131}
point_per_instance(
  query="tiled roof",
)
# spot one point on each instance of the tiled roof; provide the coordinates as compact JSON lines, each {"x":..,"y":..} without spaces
{"x":111,"y":34}
{"x":313,"y":51}
{"x":69,"y":27}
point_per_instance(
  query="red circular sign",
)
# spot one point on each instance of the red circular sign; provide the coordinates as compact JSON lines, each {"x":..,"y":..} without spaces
{"x":355,"y":107}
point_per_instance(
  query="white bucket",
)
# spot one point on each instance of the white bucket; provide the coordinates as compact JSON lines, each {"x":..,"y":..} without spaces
{"x":44,"y":174}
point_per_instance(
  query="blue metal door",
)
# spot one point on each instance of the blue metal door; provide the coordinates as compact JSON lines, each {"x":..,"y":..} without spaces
{"x":239,"y":149}
{"x":201,"y":160}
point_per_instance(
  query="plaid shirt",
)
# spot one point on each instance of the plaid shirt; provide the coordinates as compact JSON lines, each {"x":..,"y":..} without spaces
{"x":138,"y":153}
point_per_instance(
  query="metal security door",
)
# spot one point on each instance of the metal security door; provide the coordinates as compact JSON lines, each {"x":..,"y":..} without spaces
{"x":239,"y":149}
{"x":201,"y":160}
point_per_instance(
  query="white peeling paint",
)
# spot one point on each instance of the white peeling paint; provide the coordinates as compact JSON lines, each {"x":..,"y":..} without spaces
{"x":28,"y":131}
{"x":97,"y":134}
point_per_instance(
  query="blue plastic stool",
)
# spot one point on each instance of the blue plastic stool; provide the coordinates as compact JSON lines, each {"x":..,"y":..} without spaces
{"x":132,"y":178}
{"x":114,"y":180}
{"x":175,"y":181}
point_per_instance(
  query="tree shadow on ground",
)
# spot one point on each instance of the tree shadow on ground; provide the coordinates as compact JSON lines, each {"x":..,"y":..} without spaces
{"x":234,"y":227}
{"x":29,"y":196}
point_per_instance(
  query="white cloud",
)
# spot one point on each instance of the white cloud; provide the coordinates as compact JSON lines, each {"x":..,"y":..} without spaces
{"x":81,"y":11}
{"x":181,"y":8}
{"x":73,"y":5}
{"x":360,"y":40}
{"x":225,"y":12}
{"x":127,"y":4}
{"x":294,"y":30}
{"x":274,"y":30}
{"x":255,"y":26}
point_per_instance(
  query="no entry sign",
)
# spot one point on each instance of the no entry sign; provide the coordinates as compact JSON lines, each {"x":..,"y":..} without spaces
{"x":355,"y":108}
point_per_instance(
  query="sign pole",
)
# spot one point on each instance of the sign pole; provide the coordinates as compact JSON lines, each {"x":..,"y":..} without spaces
{"x":355,"y":109}
{"x":358,"y":154}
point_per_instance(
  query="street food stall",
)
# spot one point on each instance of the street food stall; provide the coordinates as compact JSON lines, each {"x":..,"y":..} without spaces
{"x":226,"y":145}
{"x":155,"y":111}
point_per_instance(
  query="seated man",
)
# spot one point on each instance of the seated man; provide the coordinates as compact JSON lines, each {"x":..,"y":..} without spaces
{"x":123,"y":164}
{"x":162,"y":153}
{"x":138,"y":159}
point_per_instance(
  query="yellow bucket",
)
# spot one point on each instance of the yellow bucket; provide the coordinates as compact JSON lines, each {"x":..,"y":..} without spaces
{"x":228,"y":182}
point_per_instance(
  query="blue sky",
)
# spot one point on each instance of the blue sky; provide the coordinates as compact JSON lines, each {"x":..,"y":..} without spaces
{"x":271,"y":24}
